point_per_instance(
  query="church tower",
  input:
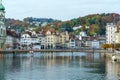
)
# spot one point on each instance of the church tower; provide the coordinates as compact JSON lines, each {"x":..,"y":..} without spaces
{"x":2,"y":12}
{"x":2,"y":25}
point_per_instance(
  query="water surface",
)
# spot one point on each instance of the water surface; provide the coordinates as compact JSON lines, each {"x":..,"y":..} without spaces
{"x":57,"y":66}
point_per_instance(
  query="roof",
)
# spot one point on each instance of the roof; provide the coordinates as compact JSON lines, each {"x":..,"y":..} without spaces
{"x":2,"y":7}
{"x":90,"y":38}
{"x":50,"y":29}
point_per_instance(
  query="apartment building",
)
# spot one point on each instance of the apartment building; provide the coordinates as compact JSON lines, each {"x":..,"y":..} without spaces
{"x":51,"y":39}
{"x":111,"y":29}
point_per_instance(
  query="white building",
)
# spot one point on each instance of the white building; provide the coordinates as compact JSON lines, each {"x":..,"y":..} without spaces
{"x":2,"y":26}
{"x":35,"y":42}
{"x":42,"y":40}
{"x":82,"y":34}
{"x":95,"y":44}
{"x":25,"y":40}
{"x":78,"y":27}
{"x":29,"y":41}
{"x":72,"y":43}
{"x":110,"y":33}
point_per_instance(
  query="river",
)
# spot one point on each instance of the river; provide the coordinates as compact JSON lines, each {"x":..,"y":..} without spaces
{"x":58,"y":66}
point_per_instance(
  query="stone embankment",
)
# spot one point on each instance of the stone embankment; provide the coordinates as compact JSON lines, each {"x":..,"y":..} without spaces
{"x":110,"y":55}
{"x":55,"y":50}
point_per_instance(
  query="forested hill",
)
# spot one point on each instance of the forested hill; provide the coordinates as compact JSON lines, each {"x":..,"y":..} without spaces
{"x":28,"y":22}
{"x":95,"y":23}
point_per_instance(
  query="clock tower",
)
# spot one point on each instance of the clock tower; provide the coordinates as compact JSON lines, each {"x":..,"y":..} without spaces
{"x":2,"y":26}
{"x":2,"y":12}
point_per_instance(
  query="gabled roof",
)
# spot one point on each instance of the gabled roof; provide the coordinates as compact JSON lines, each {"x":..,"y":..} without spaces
{"x":50,"y":29}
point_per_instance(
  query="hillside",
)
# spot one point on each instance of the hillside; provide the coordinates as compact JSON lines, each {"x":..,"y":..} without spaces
{"x":92,"y":24}
{"x":28,"y":22}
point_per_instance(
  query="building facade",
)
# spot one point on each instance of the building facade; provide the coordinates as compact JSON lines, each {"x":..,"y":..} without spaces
{"x":64,"y":39}
{"x":2,"y":26}
{"x":117,"y":34}
{"x":110,"y":33}
{"x":29,"y":42}
{"x":117,"y":37}
{"x":51,"y":39}
{"x":72,"y":43}
{"x":41,"y":38}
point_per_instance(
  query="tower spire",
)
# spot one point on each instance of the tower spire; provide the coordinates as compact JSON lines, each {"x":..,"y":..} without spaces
{"x":0,"y":1}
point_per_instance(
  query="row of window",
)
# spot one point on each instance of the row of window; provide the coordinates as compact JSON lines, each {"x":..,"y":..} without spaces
{"x":3,"y":32}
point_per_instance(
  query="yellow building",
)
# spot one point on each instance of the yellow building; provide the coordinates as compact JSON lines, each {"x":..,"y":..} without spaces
{"x":117,"y":37}
{"x":64,"y":39}
{"x":51,"y":39}
{"x":55,"y":39}
{"x":117,"y":34}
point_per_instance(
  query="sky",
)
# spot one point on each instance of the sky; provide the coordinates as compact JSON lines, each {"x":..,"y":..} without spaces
{"x":58,"y":9}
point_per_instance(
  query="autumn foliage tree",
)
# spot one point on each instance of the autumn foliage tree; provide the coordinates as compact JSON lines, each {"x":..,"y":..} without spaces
{"x":106,"y":46}
{"x":96,"y":22}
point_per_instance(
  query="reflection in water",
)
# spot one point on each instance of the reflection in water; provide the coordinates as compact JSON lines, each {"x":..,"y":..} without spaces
{"x":112,"y":69}
{"x":57,"y":66}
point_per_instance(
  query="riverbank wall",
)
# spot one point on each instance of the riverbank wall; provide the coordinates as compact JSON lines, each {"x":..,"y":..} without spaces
{"x":55,"y":50}
{"x":110,"y":55}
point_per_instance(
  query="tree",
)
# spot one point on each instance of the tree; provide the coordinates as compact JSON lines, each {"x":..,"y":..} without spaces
{"x":105,"y":46}
{"x":94,"y":29}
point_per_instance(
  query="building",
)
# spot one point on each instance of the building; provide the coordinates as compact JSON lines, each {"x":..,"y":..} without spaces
{"x":51,"y":38}
{"x":91,"y":42}
{"x":64,"y":39}
{"x":2,"y":26}
{"x":117,"y":33}
{"x":41,"y":38}
{"x":72,"y":43}
{"x":12,"y":39}
{"x":25,"y":41}
{"x":34,"y":41}
{"x":29,"y":40}
{"x":95,"y":44}
{"x":54,"y":39}
{"x":110,"y":33}
{"x":82,"y":34}
{"x":9,"y":42}
{"x":117,"y":37}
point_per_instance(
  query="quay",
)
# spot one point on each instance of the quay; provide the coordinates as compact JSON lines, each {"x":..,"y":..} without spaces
{"x":56,"y":50}
{"x":109,"y":55}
